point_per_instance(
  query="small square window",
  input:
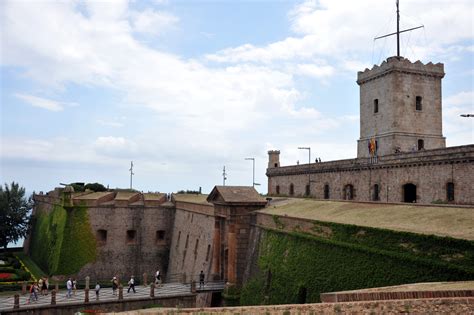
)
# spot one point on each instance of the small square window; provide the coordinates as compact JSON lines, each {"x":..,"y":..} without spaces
{"x":101,"y":236}
{"x":160,"y":235}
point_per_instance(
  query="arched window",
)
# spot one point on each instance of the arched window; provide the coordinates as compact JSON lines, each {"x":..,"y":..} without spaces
{"x":277,"y":189}
{"x":292,"y":189}
{"x":326,"y":191}
{"x":409,"y":192}
{"x":450,"y":191}
{"x":375,"y":193}
{"x":376,"y":105}
{"x":348,"y":192}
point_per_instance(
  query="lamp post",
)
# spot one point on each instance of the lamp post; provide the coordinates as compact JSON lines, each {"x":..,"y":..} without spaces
{"x":253,"y":170}
{"x":309,"y":163}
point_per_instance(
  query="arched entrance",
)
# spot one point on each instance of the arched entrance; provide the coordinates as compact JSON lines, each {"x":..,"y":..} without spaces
{"x":409,"y":192}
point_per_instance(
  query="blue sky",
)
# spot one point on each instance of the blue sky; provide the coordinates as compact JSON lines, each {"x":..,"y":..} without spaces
{"x":183,"y":88}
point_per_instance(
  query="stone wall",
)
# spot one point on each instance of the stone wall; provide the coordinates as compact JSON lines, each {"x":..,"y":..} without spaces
{"x":191,"y":245}
{"x":429,"y":170}
{"x":414,"y":306}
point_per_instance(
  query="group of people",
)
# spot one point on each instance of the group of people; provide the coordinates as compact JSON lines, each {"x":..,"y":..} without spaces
{"x":41,"y":286}
{"x":71,"y":287}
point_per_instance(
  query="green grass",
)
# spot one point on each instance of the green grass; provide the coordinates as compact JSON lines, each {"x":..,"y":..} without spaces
{"x":30,"y":264}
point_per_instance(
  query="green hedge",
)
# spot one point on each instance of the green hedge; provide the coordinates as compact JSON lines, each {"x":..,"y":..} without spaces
{"x":62,"y":241}
{"x":296,"y":267}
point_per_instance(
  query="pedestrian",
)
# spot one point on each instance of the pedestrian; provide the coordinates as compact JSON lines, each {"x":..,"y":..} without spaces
{"x":40,"y":285}
{"x":131,"y":285}
{"x":44,"y":287}
{"x":74,"y":286}
{"x":97,"y":289}
{"x":33,"y":292}
{"x":201,"y":279}
{"x":69,"y":288}
{"x":158,"y":278}
{"x":114,"y":285}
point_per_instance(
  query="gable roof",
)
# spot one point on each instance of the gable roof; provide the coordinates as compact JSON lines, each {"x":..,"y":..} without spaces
{"x":235,"y":195}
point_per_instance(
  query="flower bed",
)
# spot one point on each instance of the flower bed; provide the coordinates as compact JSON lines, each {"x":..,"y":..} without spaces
{"x":7,"y":276}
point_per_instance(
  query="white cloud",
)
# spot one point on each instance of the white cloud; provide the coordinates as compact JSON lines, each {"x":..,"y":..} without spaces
{"x":315,"y":70}
{"x":109,"y":123}
{"x":153,"y":22}
{"x":40,"y":102}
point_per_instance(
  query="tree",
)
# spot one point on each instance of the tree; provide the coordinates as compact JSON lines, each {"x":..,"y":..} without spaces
{"x":14,"y":213}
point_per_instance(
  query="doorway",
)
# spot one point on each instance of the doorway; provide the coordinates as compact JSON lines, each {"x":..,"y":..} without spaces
{"x":409,"y":193}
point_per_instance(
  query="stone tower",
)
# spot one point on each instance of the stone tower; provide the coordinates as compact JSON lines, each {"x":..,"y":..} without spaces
{"x":400,"y":107}
{"x":273,"y":158}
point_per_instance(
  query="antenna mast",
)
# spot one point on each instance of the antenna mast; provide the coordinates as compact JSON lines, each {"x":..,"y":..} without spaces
{"x":398,"y":30}
{"x":131,"y":173}
{"x":224,"y":176}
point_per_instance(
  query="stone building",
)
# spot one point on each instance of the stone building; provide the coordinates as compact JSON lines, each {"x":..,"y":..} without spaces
{"x":401,"y":153}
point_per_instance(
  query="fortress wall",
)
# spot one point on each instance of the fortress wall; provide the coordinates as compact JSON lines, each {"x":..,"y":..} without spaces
{"x":124,"y":255}
{"x":191,"y":246}
{"x":430,"y":179}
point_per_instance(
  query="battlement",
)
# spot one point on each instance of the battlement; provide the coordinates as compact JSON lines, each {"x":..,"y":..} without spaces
{"x":400,"y":64}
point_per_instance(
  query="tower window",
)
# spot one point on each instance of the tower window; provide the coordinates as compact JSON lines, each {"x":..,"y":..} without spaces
{"x":276,"y":164}
{"x":421,"y":144}
{"x":418,"y":103}
{"x":450,"y":191}
{"x":160,"y":235}
{"x":376,"y":105}
{"x":292,"y":189}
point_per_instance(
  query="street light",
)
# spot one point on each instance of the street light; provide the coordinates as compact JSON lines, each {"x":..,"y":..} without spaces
{"x":309,"y":163}
{"x":253,"y":171}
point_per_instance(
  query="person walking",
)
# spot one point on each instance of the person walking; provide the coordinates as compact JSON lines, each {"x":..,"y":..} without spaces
{"x":40,"y":285}
{"x":69,"y":288}
{"x":44,"y":287}
{"x":74,"y":286}
{"x":201,"y":279}
{"x":97,"y":290}
{"x":158,"y":278}
{"x":114,"y":285}
{"x":131,"y":285}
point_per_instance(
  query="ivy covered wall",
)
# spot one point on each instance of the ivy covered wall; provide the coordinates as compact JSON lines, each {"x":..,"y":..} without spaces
{"x":295,"y":267}
{"x":62,"y":241}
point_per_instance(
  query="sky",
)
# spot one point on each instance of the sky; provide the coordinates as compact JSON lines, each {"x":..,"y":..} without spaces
{"x":184,"y":88}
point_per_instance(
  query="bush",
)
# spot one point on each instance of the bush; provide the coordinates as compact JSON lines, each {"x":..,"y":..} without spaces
{"x":95,"y":187}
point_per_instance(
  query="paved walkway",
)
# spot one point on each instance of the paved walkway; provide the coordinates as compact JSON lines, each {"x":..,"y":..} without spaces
{"x":166,"y":290}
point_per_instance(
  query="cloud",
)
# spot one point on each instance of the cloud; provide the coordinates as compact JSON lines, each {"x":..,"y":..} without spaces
{"x":153,"y":22}
{"x":109,"y":123}
{"x":44,"y":103}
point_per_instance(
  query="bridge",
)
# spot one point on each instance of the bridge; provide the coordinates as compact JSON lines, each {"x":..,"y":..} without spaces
{"x":168,"y":294}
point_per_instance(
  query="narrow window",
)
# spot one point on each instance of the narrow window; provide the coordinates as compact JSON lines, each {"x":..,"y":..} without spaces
{"x":196,"y":249}
{"x":179,"y":237}
{"x":131,"y":236}
{"x":277,"y":189}
{"x":421,"y":144}
{"x":376,"y":105}
{"x":326,"y":191}
{"x":307,"y":190}
{"x":160,"y":235}
{"x":208,"y":252}
{"x":276,"y":164}
{"x":292,"y":189}
{"x":187,"y":241}
{"x":101,"y":236}
{"x":419,"y":103}
{"x":450,"y":191}
{"x":375,"y":196}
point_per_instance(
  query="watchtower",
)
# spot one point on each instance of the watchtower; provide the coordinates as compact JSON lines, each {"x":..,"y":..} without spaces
{"x":273,"y":158}
{"x":400,"y":107}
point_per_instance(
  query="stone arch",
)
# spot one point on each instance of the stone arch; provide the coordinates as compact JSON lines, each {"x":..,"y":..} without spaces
{"x":348,"y":192}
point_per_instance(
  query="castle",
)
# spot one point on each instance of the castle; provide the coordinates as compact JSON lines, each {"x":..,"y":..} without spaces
{"x":289,"y":250}
{"x":401,"y":152}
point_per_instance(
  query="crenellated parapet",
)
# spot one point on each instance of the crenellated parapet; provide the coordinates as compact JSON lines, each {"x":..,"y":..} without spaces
{"x":403,"y":65}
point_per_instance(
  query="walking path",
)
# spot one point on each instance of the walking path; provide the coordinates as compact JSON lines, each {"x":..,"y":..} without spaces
{"x":166,"y":290}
